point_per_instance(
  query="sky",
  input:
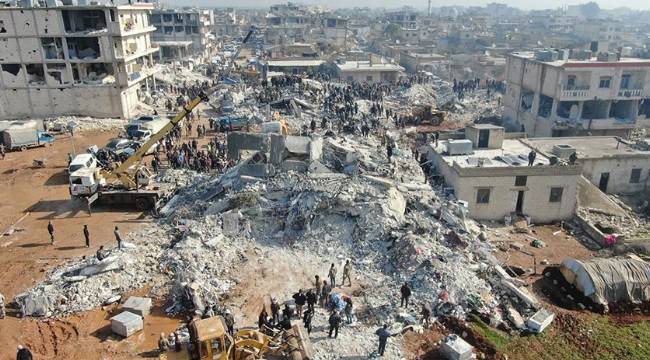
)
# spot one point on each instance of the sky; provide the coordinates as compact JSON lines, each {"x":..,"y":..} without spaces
{"x":522,"y":4}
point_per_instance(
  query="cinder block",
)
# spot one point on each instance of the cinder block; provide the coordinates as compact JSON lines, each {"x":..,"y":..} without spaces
{"x":138,"y":305}
{"x":126,"y":323}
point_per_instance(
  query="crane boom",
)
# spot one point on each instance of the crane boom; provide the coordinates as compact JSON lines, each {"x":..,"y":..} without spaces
{"x":122,"y":172}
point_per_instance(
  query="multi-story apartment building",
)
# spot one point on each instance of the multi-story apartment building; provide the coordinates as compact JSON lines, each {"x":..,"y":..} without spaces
{"x":408,"y":25}
{"x":80,"y":60}
{"x":552,"y":95}
{"x":184,"y":34}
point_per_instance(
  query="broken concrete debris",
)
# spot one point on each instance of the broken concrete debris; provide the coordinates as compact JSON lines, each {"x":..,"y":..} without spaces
{"x":455,"y":348}
{"x":538,"y":322}
{"x":138,"y":305}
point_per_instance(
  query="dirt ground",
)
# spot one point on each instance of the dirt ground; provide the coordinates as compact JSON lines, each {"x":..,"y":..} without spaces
{"x":29,"y":198}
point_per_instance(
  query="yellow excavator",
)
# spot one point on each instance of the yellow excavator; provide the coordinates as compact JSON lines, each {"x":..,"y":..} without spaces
{"x":209,"y":340}
{"x":130,"y":183}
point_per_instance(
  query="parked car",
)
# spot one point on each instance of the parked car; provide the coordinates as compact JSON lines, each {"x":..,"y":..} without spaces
{"x":120,"y":147}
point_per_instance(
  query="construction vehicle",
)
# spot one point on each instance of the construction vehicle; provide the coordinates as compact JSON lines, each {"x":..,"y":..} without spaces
{"x":131,"y":183}
{"x":428,"y":115}
{"x":209,"y":340}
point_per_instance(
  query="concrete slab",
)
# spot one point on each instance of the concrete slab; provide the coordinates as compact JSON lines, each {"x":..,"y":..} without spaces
{"x":297,"y":144}
{"x":126,"y":323}
{"x":108,"y":264}
{"x":316,"y":167}
{"x":294,"y":165}
{"x":540,"y":320}
{"x":455,"y":348}
{"x":316,"y":148}
{"x":231,"y":223}
{"x":138,"y":305}
{"x":257,"y":170}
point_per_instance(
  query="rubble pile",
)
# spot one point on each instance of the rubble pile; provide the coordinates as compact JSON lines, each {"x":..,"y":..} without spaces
{"x":85,"y":124}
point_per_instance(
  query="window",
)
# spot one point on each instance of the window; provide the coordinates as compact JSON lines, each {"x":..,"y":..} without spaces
{"x":635,"y":176}
{"x":521,"y":180}
{"x":483,"y":196}
{"x":556,"y":195}
{"x":571,"y":82}
{"x":605,"y":82}
{"x":625,"y":81}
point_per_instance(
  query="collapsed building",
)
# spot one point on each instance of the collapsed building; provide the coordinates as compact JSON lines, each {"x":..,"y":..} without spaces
{"x":184,"y":35}
{"x":75,"y":60}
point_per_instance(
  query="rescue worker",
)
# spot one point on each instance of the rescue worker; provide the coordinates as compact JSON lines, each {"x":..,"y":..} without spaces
{"x":335,"y":323}
{"x":324,"y":299}
{"x":2,"y":306}
{"x":118,"y":237}
{"x":87,"y":236}
{"x":312,"y":299}
{"x":275,"y":311}
{"x":163,"y":344}
{"x":300,"y":300}
{"x":405,"y":290}
{"x":50,"y":230}
{"x":307,"y":318}
{"x":426,"y":314}
{"x":383,"y":334}
{"x":317,"y":285}
{"x":332,"y":275}
{"x":347,"y":271}
{"x":230,"y":322}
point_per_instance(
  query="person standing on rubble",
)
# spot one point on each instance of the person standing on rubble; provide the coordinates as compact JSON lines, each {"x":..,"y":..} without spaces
{"x":3,"y":151}
{"x":383,"y":334}
{"x":405,"y":290}
{"x":324,"y":298}
{"x":163,"y":344}
{"x":347,"y":271}
{"x":335,"y":322}
{"x":2,"y":306}
{"x":389,"y":151}
{"x":317,"y":285}
{"x":230,"y":322}
{"x":118,"y":237}
{"x":300,"y":300}
{"x":87,"y":236}
{"x":263,"y":318}
{"x":312,"y":299}
{"x":23,"y":353}
{"x":275,"y":311}
{"x":332,"y":275}
{"x":426,"y":314}
{"x":348,"y":309}
{"x":307,"y":318}
{"x":50,"y":230}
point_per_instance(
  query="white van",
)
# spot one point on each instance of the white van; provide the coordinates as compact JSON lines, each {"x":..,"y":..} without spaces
{"x":82,"y":161}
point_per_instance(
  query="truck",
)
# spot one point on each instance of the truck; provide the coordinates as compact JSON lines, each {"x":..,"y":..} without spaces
{"x":25,"y":138}
{"x":131,"y":183}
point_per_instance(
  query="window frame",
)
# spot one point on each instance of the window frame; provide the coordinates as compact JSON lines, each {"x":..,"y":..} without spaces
{"x":553,"y":197}
{"x":482,"y":199}
{"x":635,"y":175}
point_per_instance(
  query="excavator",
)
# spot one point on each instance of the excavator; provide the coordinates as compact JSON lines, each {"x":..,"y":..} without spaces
{"x":131,"y":182}
{"x":209,"y":340}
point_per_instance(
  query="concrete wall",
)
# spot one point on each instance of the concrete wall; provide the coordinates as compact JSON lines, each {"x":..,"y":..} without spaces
{"x":362,"y":76}
{"x":620,"y":170}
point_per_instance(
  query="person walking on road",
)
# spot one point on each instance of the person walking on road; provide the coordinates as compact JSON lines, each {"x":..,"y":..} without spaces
{"x":87,"y":236}
{"x":50,"y":230}
{"x":118,"y":237}
{"x":405,"y":290}
{"x":383,"y":334}
{"x":332,"y":276}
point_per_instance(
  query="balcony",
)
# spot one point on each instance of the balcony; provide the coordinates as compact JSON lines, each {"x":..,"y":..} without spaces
{"x":631,"y":93}
{"x":575,"y":92}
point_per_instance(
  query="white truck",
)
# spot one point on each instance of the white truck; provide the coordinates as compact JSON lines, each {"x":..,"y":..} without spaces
{"x":152,"y":123}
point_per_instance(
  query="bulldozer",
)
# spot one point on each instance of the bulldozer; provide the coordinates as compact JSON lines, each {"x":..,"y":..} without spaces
{"x":211,"y":341}
{"x":429,"y":115}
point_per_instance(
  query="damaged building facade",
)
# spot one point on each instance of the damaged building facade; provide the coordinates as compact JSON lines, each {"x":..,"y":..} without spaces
{"x":550,"y":94}
{"x":184,"y":34}
{"x":491,"y":174}
{"x":375,"y":69}
{"x":74,"y":60}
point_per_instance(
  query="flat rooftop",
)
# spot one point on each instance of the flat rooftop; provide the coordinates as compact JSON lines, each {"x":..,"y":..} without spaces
{"x":513,"y":153}
{"x":593,"y":62}
{"x":588,"y":147}
{"x":291,"y":63}
{"x":365,"y":66}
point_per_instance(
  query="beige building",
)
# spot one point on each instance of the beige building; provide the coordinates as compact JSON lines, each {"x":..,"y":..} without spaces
{"x":78,"y":60}
{"x":184,"y":34}
{"x":371,"y":71}
{"x":614,"y":165}
{"x":492,"y":175}
{"x":550,"y":94}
